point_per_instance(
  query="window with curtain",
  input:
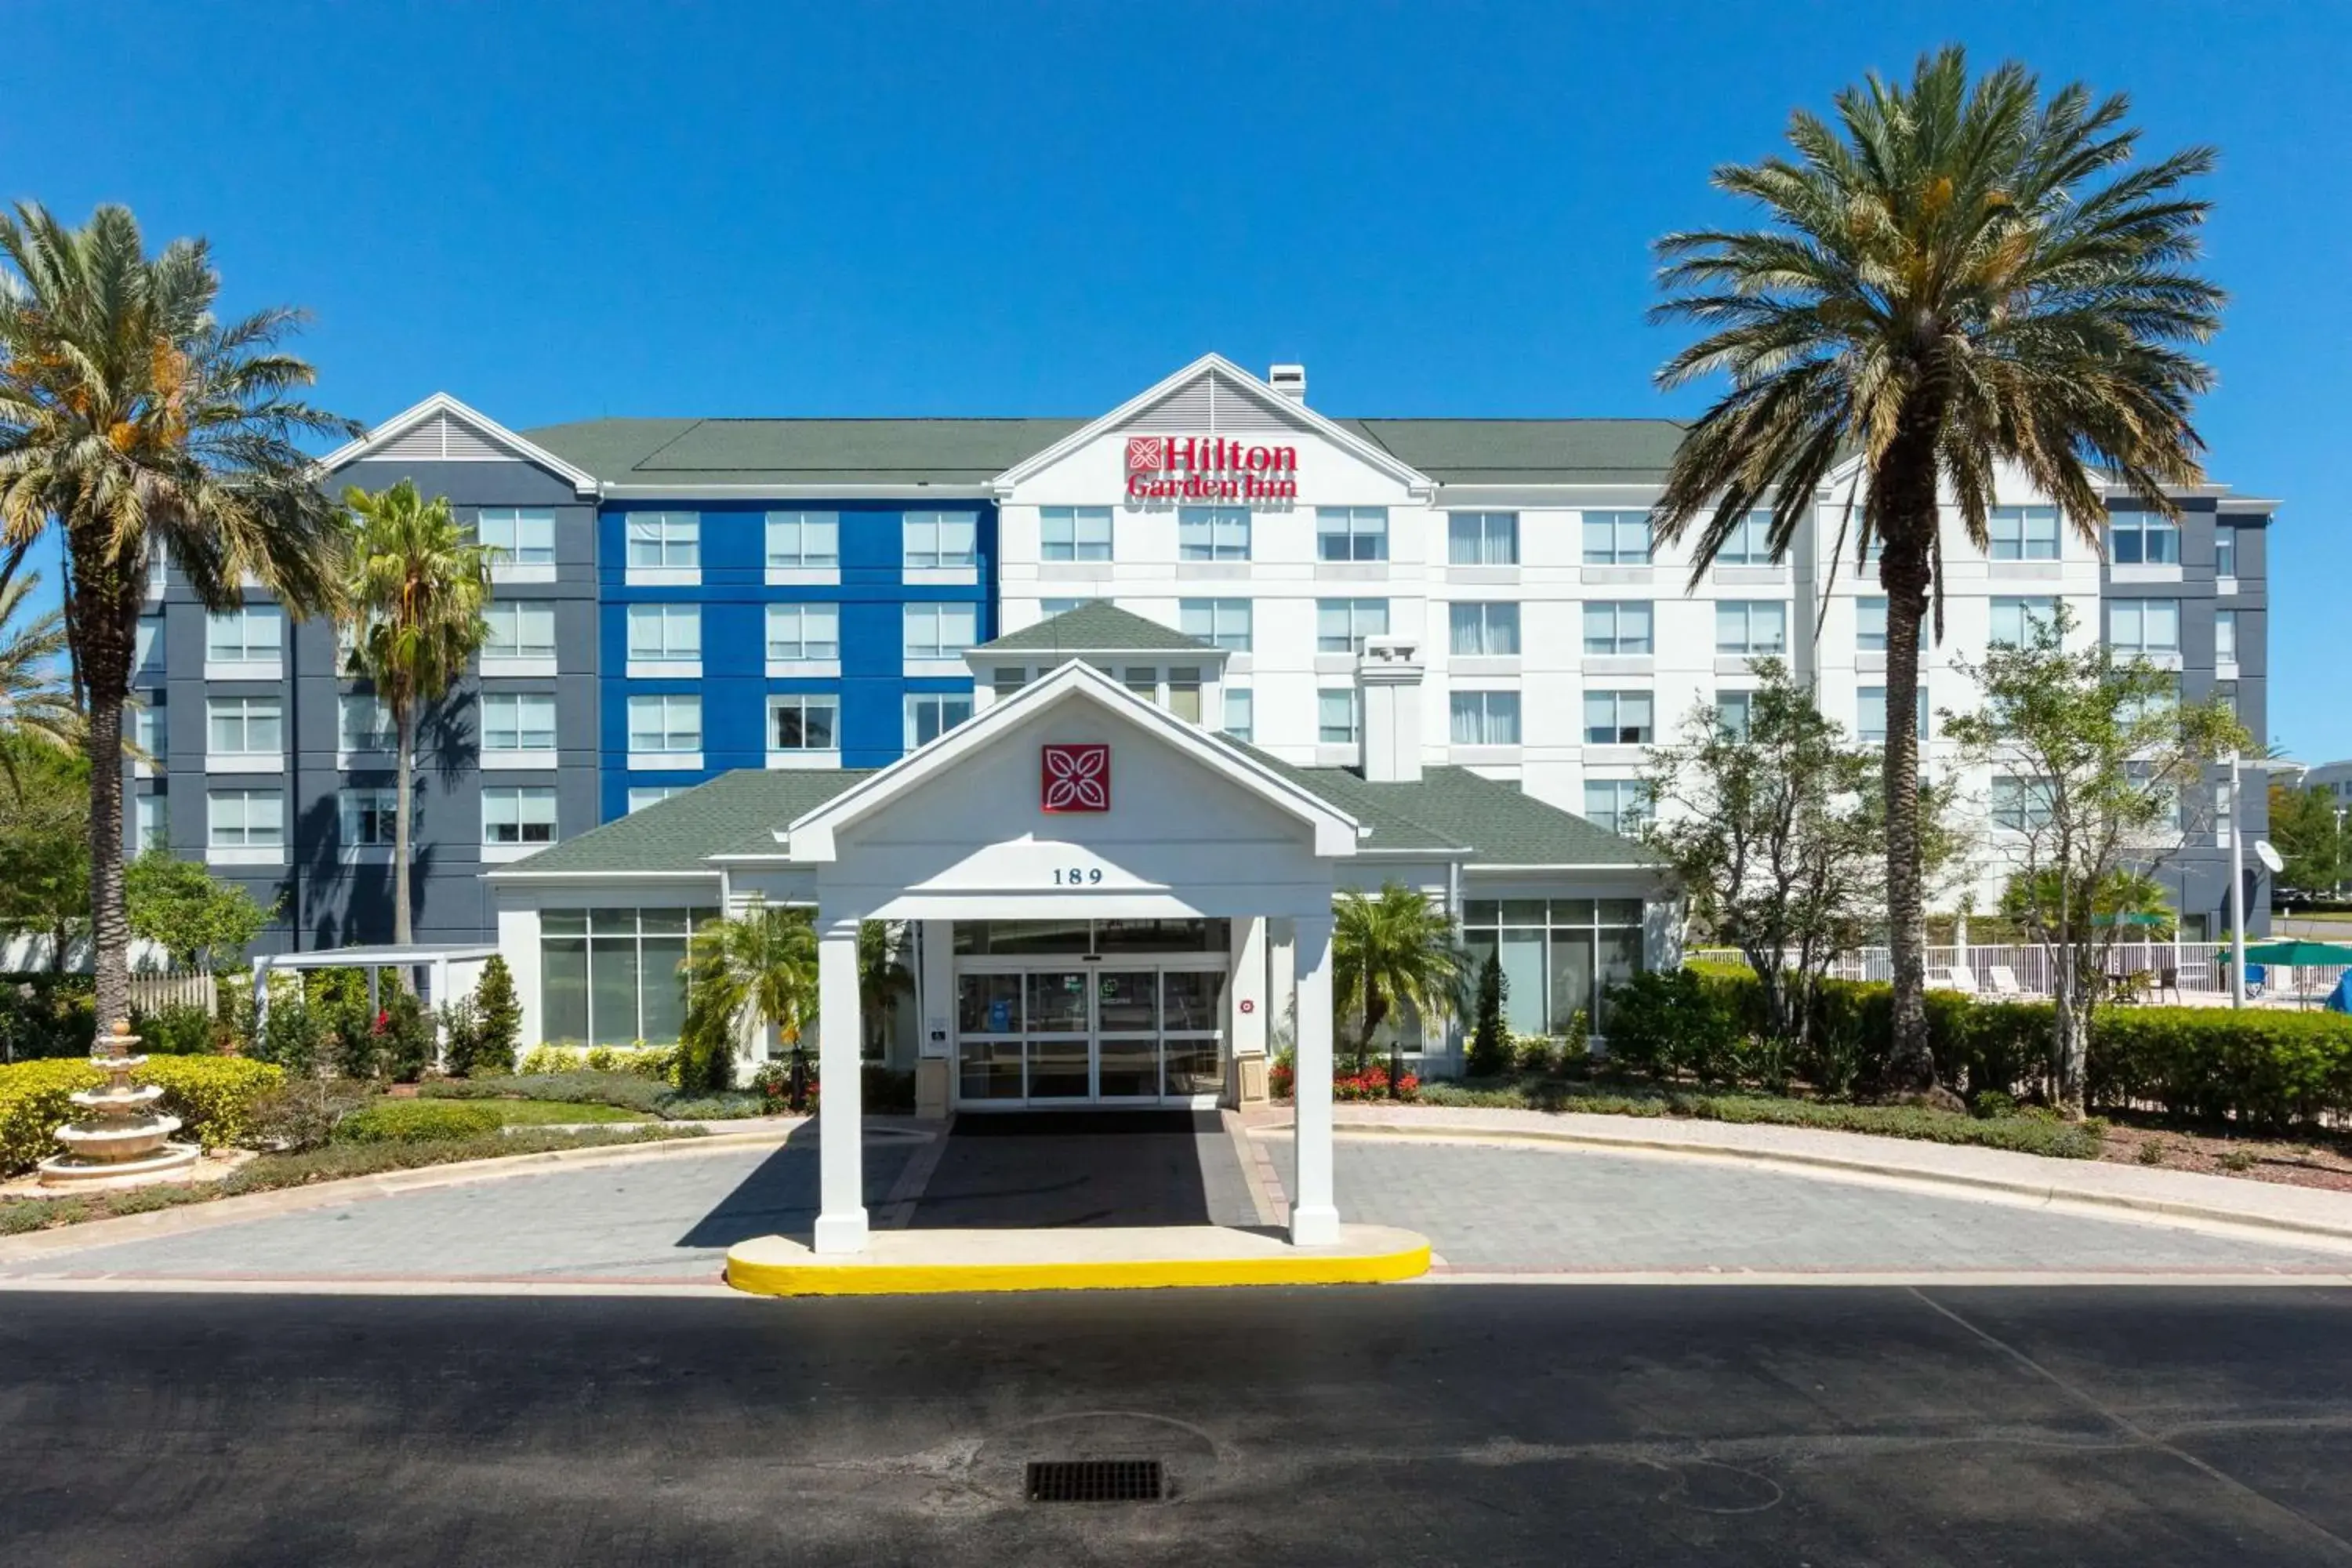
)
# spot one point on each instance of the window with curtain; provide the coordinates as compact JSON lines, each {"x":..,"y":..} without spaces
{"x":664,"y":722}
{"x":644,"y":796}
{"x":804,"y":631}
{"x":1870,"y":715}
{"x":2143,"y":625}
{"x":1238,"y":714}
{"x":1337,"y":717}
{"x":2225,"y":636}
{"x":2225,"y":551}
{"x":804,"y":722}
{"x":1617,"y":719}
{"x":2143,"y":539}
{"x":1751,"y":626}
{"x":1617,"y":626}
{"x":931,"y":714}
{"x":1616,"y":539}
{"x":939,"y":631}
{"x":1559,"y":957}
{"x":938,"y":539}
{"x":245,"y":818}
{"x":518,"y":722}
{"x":520,"y":628}
{"x":804,"y":539}
{"x":1219,"y":623}
{"x":1484,"y":629}
{"x":1749,"y":544}
{"x":2023,"y":532}
{"x":252,"y":633}
{"x":367,"y":818}
{"x":1351,"y":533}
{"x":664,"y":540}
{"x":666,"y":632}
{"x":2019,"y":622}
{"x":1618,"y":805}
{"x":518,"y":814}
{"x":518,"y":535}
{"x":1342,"y":625}
{"x":1212,"y":533}
{"x":2019,"y":804}
{"x":363,"y":724}
{"x":1486,"y":717}
{"x":1482,"y":539}
{"x":611,"y":976}
{"x":245,"y":726}
{"x":1734,"y":711}
{"x":1870,"y":625}
{"x":1073,"y":534}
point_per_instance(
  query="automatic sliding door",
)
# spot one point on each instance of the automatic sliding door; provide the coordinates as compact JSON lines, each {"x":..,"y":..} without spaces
{"x":987,"y":1037}
{"x":1059,"y":1068}
{"x":1193,"y":1025}
{"x":1126,"y":1033}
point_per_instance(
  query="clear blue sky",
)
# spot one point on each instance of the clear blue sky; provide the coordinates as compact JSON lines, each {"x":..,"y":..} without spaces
{"x":562,"y":210}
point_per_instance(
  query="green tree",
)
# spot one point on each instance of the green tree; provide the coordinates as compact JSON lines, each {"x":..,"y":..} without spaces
{"x":882,"y":978}
{"x":191,"y":914}
{"x":1953,"y":276}
{"x":132,"y":418}
{"x":1775,"y":840}
{"x":1490,"y":1042}
{"x":498,"y":1019}
{"x":37,"y":703}
{"x":45,"y":845}
{"x":2309,"y":836}
{"x":414,"y":612}
{"x":752,"y":968}
{"x":2098,"y":774}
{"x":1398,"y":947}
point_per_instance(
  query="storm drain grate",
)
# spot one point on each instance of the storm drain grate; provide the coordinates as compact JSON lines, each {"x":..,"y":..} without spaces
{"x":1096,"y":1481}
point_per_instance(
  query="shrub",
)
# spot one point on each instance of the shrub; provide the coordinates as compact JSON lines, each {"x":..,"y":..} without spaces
{"x":417,"y":1121}
{"x":1673,"y":1022}
{"x":1490,"y":1042}
{"x":657,"y":1064}
{"x":626,"y":1090}
{"x":2256,"y":1065}
{"x":1992,"y":1102}
{"x":177,"y":1030}
{"x":212,"y":1096}
{"x":1537,"y":1054}
{"x":500,"y":1013}
{"x":33,"y":1106}
{"x":45,"y":1018}
{"x":294,"y":1035}
{"x":301,"y":1114}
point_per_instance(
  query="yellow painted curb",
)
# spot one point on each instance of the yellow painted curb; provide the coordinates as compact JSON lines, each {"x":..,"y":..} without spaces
{"x":771,"y":1266}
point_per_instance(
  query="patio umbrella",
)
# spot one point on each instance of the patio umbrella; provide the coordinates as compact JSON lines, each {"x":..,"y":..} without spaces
{"x":2299,"y":955}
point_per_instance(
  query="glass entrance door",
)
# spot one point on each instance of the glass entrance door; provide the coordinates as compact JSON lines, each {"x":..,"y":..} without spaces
{"x":1137,"y":1035}
{"x":1059,"y":1028}
{"x":1126,"y":1033}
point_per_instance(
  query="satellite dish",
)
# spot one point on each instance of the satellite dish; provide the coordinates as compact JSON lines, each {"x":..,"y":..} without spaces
{"x":2268,"y":856}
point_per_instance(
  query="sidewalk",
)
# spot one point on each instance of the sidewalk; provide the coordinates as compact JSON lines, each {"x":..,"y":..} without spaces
{"x":2220,"y":1200}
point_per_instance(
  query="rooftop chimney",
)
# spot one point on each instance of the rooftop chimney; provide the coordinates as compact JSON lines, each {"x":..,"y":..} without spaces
{"x":1388,"y":688}
{"x":1290,"y":380}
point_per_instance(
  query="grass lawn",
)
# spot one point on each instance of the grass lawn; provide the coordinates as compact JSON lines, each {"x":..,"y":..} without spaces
{"x":555,"y":1113}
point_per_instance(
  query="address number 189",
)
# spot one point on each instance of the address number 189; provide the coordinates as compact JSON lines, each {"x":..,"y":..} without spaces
{"x":1076,"y":876}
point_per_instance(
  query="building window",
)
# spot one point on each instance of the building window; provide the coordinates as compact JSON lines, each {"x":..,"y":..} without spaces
{"x":147,"y":645}
{"x":363,"y":724}
{"x":520,"y":628}
{"x":2023,"y":532}
{"x":518,"y":814}
{"x":1048,"y":608}
{"x":1219,"y":623}
{"x":644,"y":796}
{"x":1621,"y":805}
{"x":1485,"y":718}
{"x":1620,"y":627}
{"x":804,"y":632}
{"x":368,"y":818}
{"x":1239,"y":719}
{"x":1617,"y":718}
{"x":245,"y":818}
{"x":665,"y":633}
{"x":931,"y":714}
{"x":804,"y":539}
{"x":1749,"y":542}
{"x":520,"y":722}
{"x":610,"y":976}
{"x":803,"y":721}
{"x":1870,"y":715}
{"x":2020,"y":622}
{"x":147,"y":729}
{"x":2020,"y":804}
{"x":2225,"y":692}
{"x":518,"y":536}
{"x":664,"y":722}
{"x":2143,"y":625}
{"x":1338,"y":717}
{"x":939,"y":631}
{"x":1009,"y":679}
{"x":2225,"y":636}
{"x":1212,"y":533}
{"x":1732,"y":714}
{"x":244,"y":726}
{"x":1342,"y":625}
{"x":1351,"y":533}
{"x":1484,"y":629}
{"x":150,"y":823}
{"x":668,"y":540}
{"x":1557,"y":961}
{"x":1073,"y":534}
{"x":253,"y":635}
{"x":2143,"y":539}
{"x":1482,"y":539}
{"x":2225,"y":551}
{"x":1184,"y":692}
{"x":1870,"y":625}
{"x":1616,"y":539}
{"x":932,"y":539}
{"x":1750,"y":627}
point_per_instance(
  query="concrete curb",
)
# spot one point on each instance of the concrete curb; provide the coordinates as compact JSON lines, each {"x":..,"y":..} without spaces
{"x":358,"y":1189}
{"x":2055,"y":1194}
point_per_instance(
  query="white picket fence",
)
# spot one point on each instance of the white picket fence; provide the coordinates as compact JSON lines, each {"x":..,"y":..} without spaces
{"x":2187,"y":972}
{"x":153,"y":993}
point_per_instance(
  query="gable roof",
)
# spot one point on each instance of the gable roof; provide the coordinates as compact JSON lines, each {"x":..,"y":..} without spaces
{"x":841,"y":455}
{"x":1530,"y":451}
{"x":1098,"y":626}
{"x":441,"y":429}
{"x":736,"y":813}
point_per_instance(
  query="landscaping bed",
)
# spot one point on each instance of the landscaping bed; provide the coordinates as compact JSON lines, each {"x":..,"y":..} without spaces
{"x":2313,"y":1159}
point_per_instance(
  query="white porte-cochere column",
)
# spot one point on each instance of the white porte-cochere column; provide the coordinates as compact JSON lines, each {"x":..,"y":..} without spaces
{"x":1314,"y":1219}
{"x":841,"y":1213}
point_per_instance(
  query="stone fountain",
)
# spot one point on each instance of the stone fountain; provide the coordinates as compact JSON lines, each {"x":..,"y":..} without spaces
{"x":122,"y":1139}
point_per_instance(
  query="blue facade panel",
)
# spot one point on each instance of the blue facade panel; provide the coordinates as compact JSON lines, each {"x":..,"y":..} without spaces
{"x":733,"y":593}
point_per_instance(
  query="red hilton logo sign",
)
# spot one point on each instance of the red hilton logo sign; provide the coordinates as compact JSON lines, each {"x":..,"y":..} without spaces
{"x":1209,"y":468}
{"x":1077,"y":777}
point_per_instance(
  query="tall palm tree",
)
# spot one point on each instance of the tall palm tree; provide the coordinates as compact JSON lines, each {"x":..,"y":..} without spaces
{"x":1398,"y":947}
{"x":130,"y":416}
{"x":755,"y":968}
{"x":37,"y":703}
{"x":1952,"y":276}
{"x":415,"y":612}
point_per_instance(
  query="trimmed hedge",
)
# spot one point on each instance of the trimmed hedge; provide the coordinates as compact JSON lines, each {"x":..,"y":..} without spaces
{"x":212,"y":1096}
{"x":418,"y":1121}
{"x":2255,"y":1065}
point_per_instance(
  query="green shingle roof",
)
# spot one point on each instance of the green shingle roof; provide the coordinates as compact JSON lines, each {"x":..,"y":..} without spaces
{"x":736,"y":813}
{"x":870,"y":452}
{"x":1095,"y":626}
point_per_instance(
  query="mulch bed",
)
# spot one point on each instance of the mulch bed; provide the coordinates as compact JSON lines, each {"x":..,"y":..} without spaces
{"x":2286,"y":1161}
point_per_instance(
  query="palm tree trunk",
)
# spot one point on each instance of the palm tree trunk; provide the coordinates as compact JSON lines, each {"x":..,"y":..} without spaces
{"x":402,"y":930}
{"x":105,"y":655}
{"x":1905,"y":495}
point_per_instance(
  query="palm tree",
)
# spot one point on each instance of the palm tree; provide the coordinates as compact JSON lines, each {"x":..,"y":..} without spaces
{"x":1953,"y":276}
{"x":882,"y":979}
{"x":131,"y":418}
{"x":419,"y":588}
{"x":1398,"y":947}
{"x":756,"y":968}
{"x":36,"y":701}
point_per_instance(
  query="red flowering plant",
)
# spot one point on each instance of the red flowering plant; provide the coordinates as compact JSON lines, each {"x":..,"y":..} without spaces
{"x":1372,"y":1083}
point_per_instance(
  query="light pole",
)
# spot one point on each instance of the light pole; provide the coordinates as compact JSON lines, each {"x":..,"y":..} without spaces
{"x":2237,"y":888}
